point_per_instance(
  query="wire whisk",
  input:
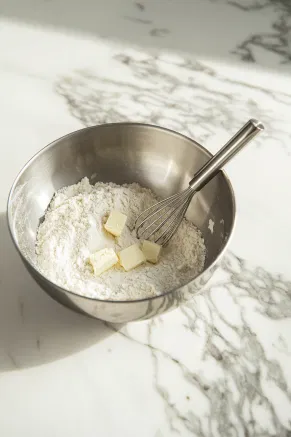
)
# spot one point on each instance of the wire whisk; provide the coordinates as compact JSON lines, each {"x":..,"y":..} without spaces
{"x":161,"y":221}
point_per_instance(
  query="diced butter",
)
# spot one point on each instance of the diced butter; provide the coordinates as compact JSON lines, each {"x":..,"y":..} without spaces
{"x":103,"y":260}
{"x":115,"y":223}
{"x":151,"y":251}
{"x":131,"y":257}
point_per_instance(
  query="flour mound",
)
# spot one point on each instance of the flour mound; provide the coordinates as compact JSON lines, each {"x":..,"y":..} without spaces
{"x":73,"y":229}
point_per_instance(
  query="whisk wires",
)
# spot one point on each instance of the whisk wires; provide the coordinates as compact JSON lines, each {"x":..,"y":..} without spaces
{"x":160,"y":222}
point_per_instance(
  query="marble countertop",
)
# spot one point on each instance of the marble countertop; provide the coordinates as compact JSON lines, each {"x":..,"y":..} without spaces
{"x":220,"y":365}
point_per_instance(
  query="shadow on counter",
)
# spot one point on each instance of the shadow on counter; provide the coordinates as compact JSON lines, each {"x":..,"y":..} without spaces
{"x":256,"y":33}
{"x":34,"y":329}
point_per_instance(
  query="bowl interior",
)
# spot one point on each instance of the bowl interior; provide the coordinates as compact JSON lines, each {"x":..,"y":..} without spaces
{"x":122,"y":153}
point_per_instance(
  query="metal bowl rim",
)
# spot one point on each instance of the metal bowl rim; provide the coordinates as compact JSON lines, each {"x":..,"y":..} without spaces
{"x":54,"y":143}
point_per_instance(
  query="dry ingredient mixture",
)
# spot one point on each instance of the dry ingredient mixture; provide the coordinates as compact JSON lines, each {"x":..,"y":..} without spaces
{"x":73,"y":229}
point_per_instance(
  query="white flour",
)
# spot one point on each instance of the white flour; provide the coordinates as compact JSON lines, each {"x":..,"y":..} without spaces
{"x":73,"y":228}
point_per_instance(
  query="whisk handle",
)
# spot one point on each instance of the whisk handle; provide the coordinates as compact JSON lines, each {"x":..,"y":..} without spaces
{"x":231,"y":148}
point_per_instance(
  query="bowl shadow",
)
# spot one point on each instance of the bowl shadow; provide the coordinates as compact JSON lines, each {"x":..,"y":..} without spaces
{"x":34,"y":329}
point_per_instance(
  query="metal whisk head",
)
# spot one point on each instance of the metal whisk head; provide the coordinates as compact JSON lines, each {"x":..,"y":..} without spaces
{"x":160,"y":222}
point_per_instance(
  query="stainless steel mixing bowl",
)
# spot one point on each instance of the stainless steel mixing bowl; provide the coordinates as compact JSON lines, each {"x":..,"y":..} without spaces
{"x":155,"y":157}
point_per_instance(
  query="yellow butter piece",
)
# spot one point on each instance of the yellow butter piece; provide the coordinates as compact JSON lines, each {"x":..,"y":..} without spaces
{"x":115,"y":223}
{"x":151,"y":251}
{"x":131,"y":257}
{"x":103,"y":260}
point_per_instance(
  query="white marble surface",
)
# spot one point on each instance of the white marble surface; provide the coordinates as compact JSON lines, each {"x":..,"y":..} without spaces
{"x":221,"y":365}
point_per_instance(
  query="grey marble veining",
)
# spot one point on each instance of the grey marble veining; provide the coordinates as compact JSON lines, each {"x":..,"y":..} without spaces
{"x":277,"y":40}
{"x":238,"y":402}
{"x":254,"y":31}
{"x":220,"y":365}
{"x":196,"y":99}
{"x":188,"y":96}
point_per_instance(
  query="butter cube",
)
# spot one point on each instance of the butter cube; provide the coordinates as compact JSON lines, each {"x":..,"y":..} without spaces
{"x":103,"y":260}
{"x":131,"y":257}
{"x":115,"y":223}
{"x":151,"y":251}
